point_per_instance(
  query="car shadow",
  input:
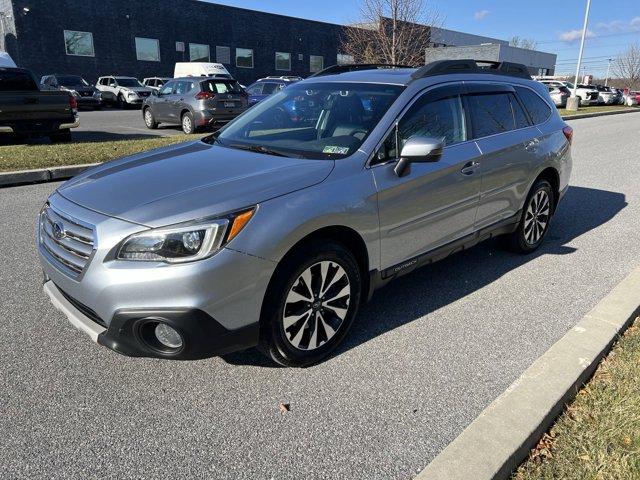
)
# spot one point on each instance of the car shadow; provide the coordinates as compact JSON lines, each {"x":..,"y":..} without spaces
{"x":581,"y":210}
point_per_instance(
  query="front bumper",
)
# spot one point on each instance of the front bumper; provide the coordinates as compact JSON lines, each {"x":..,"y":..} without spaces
{"x":215,"y":303}
{"x":203,"y":335}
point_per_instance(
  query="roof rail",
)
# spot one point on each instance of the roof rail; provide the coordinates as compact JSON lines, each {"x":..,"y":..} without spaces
{"x":336,"y":69}
{"x":442,"y":67}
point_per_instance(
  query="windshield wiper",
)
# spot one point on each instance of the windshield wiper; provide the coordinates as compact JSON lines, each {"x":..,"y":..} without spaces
{"x":261,"y":149}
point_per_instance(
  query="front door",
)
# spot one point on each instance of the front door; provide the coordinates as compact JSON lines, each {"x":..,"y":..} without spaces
{"x":435,"y":203}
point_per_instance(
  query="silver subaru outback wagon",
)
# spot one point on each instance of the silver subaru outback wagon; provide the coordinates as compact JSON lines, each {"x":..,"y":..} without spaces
{"x":272,"y":231}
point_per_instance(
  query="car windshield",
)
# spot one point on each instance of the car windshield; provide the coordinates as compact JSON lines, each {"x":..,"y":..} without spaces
{"x":221,"y":86}
{"x":317,"y":120}
{"x":128,"y":82}
{"x":72,"y":81}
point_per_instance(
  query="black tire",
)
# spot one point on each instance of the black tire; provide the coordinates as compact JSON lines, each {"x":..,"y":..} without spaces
{"x":61,"y":136}
{"x":187,"y":123}
{"x":120,"y":102}
{"x":529,"y":235}
{"x":149,"y":119}
{"x":97,"y":108}
{"x":276,"y":342}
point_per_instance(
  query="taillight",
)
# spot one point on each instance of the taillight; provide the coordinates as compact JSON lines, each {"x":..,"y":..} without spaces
{"x":204,"y":96}
{"x":568,"y":132}
{"x":73,"y":103}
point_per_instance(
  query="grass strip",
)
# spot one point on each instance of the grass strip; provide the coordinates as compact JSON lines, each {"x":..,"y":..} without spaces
{"x":598,"y":435}
{"x":33,"y":156}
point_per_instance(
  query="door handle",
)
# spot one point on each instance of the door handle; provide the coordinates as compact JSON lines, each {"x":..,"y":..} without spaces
{"x":532,"y":145}
{"x":469,"y":168}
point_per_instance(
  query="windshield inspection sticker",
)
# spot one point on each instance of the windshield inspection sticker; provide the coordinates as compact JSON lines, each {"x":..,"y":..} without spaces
{"x":335,"y":149}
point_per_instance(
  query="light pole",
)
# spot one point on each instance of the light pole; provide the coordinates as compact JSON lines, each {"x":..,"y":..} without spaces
{"x":606,"y":79}
{"x":574,"y":103}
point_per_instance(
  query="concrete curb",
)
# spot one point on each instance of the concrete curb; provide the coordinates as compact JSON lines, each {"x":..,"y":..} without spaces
{"x":599,"y":114}
{"x":22,"y":177}
{"x":497,"y":441}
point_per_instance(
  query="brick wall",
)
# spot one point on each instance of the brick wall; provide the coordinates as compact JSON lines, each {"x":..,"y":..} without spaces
{"x":115,"y":24}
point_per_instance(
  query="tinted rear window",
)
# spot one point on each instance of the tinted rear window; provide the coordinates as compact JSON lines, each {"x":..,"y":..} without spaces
{"x":221,"y":86}
{"x":491,"y":114}
{"x":538,"y":109}
{"x":17,"y":82}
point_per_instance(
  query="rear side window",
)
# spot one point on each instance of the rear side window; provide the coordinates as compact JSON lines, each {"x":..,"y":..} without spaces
{"x":17,"y":82}
{"x":518,"y":113}
{"x":491,"y":114}
{"x":538,"y":109}
{"x":221,"y":86}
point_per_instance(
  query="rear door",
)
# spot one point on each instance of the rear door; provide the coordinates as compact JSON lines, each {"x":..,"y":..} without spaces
{"x":435,"y":203}
{"x":508,"y":142}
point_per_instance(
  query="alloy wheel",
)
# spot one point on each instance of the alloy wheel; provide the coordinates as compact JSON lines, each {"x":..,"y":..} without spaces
{"x":148,"y":118}
{"x":316,"y":305}
{"x":536,"y":219}
{"x":186,"y":124}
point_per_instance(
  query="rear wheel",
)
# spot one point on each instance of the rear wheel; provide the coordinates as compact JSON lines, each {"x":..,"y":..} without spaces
{"x":534,"y":224}
{"x":149,"y":119}
{"x":188,"y":126}
{"x":310,"y":305}
{"x":61,"y":136}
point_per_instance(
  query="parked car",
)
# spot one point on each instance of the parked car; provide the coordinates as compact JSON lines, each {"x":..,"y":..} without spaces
{"x":200,"y":69}
{"x":85,"y":94}
{"x":26,"y":110}
{"x":271,"y":236}
{"x":588,"y":95}
{"x":605,"y":95}
{"x":122,"y":91}
{"x":195,"y":103}
{"x":559,"y":94}
{"x":263,"y":87}
{"x":630,"y":98}
{"x":619,"y":95}
{"x":154,"y":83}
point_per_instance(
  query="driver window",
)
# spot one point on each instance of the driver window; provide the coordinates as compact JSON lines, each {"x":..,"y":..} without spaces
{"x":441,"y":118}
{"x":167,"y":89}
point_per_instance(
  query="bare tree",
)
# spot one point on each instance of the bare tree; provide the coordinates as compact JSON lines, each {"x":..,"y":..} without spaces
{"x":627,"y":66}
{"x":528,"y":43}
{"x":391,"y":31}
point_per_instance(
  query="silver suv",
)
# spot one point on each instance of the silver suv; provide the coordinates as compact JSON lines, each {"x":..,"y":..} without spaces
{"x":272,"y":231}
{"x":122,"y":91}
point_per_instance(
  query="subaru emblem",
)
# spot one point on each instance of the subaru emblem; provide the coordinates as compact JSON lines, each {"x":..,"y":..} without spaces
{"x":58,"y":231}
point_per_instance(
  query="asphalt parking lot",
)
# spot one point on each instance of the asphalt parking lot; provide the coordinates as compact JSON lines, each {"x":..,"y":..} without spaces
{"x":427,"y":354}
{"x":117,"y":124}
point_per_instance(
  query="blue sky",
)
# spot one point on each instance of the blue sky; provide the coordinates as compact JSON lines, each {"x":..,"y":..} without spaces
{"x":613,"y":24}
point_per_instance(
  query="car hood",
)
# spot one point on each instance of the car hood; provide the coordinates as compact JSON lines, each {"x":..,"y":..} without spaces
{"x":189,"y":181}
{"x":136,"y":89}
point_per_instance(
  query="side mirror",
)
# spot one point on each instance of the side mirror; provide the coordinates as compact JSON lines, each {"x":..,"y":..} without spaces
{"x":418,"y":150}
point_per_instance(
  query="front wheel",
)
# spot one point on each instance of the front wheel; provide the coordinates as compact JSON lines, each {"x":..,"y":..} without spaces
{"x":310,"y":305}
{"x":149,"y":119}
{"x":534,"y":224}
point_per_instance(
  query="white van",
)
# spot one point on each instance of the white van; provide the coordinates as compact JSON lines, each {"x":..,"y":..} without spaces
{"x":200,"y":69}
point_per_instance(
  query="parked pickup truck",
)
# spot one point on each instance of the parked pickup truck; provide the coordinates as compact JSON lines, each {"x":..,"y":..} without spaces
{"x":25,"y":110}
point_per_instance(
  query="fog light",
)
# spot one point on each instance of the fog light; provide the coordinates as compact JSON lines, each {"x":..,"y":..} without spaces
{"x":168,"y":336}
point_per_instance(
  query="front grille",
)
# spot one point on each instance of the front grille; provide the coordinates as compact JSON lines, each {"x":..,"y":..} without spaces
{"x":86,"y":94}
{"x":66,"y":240}
{"x":86,"y":311}
{"x":143,"y":94}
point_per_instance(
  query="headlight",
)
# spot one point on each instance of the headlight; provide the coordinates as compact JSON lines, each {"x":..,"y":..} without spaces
{"x":132,"y":94}
{"x":184,"y":243}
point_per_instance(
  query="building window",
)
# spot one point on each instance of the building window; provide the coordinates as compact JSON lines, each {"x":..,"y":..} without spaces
{"x":223,"y":55}
{"x":543,"y":71}
{"x":344,"y":59}
{"x":79,"y":43}
{"x":179,"y":46}
{"x":147,"y":49}
{"x":283,"y":61}
{"x":198,"y":52}
{"x":244,"y":57}
{"x":316,"y":63}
